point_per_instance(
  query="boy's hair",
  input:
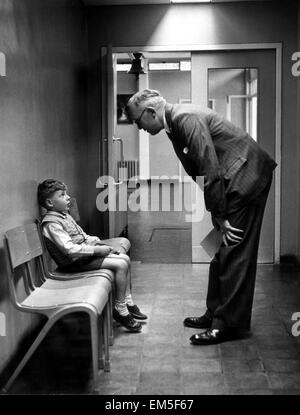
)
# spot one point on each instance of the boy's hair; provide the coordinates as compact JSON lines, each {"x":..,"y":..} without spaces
{"x":47,"y":188}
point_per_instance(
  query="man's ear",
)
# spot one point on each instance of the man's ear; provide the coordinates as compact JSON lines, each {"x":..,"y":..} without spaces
{"x":152,"y":110}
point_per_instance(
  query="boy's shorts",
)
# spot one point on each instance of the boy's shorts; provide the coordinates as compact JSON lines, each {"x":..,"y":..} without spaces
{"x":83,"y":264}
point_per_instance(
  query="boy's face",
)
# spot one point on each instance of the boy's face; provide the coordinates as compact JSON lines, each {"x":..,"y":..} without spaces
{"x":60,"y":201}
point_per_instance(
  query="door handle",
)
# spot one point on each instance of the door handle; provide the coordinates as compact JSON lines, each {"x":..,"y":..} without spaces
{"x":119,"y":140}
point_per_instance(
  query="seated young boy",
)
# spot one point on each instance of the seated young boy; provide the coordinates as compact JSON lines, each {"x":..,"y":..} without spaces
{"x":75,"y":251}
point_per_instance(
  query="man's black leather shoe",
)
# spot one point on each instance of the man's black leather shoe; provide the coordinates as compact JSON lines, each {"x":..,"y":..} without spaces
{"x":213,"y":336}
{"x":202,"y":322}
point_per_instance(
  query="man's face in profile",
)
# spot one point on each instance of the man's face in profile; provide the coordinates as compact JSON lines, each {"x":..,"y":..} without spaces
{"x":145,"y":118}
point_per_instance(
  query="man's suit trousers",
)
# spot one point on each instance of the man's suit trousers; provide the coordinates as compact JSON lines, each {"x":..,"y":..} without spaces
{"x":232,"y":271}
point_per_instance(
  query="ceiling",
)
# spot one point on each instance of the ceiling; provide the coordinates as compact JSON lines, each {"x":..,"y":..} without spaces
{"x":140,"y":2}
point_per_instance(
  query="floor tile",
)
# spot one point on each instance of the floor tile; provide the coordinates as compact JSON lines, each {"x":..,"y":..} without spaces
{"x":202,"y":381}
{"x":284,"y":380}
{"x":244,"y":380}
{"x":238,"y":365}
{"x":282,"y":365}
{"x":204,"y":365}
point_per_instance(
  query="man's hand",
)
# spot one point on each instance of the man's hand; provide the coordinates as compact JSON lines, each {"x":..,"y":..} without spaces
{"x":229,"y":233}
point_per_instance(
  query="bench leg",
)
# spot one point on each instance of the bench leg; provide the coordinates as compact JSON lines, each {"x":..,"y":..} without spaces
{"x":29,"y":353}
{"x":110,"y":319}
{"x":95,"y":350}
{"x":106,"y":312}
{"x":100,"y":337}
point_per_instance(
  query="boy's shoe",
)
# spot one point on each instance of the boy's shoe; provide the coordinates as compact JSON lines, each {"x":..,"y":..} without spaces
{"x":136,"y":312}
{"x":127,"y":321}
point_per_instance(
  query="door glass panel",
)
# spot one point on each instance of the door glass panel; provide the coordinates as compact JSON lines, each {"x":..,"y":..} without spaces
{"x":233,"y":94}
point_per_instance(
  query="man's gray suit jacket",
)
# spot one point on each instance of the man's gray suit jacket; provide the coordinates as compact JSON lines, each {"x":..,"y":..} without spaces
{"x":235,"y":168}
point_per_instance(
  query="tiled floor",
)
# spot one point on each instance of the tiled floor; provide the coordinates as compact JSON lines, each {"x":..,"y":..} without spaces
{"x":160,"y":237}
{"x":155,"y":245}
{"x":161,"y":360}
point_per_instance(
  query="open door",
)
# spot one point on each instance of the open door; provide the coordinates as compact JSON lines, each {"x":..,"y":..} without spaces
{"x":241,"y":86}
{"x":113,"y":191}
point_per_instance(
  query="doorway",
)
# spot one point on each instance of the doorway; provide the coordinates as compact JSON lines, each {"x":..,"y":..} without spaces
{"x":273,"y":64}
{"x":158,"y":231}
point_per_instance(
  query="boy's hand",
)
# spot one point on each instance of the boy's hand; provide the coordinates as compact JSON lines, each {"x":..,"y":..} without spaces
{"x":116,"y":252}
{"x":103,"y":250}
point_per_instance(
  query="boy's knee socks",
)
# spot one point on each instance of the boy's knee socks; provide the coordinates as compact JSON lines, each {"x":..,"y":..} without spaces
{"x":128,"y":299}
{"x":121,"y":307}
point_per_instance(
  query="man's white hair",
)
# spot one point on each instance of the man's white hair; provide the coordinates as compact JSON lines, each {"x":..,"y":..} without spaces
{"x":145,"y":98}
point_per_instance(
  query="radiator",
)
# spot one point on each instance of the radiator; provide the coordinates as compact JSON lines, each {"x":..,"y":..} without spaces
{"x":128,"y":169}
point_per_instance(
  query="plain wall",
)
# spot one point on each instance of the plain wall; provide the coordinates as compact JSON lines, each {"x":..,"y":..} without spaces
{"x":43,"y":122}
{"x":219,"y":23}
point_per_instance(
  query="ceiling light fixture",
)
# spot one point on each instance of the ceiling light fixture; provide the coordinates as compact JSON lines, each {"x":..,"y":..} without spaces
{"x":190,"y":1}
{"x":136,"y":65}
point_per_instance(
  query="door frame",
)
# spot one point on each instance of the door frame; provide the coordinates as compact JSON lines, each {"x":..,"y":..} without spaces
{"x":2,"y":64}
{"x":277,"y":47}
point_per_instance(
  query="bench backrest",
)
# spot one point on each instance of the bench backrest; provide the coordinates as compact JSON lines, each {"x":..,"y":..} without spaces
{"x":23,"y":246}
